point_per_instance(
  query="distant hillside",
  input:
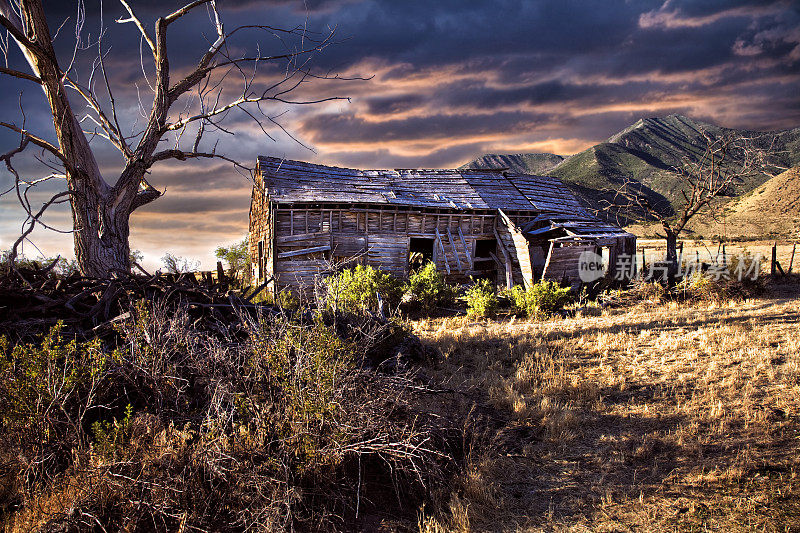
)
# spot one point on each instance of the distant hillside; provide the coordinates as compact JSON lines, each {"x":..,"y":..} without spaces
{"x":647,"y":153}
{"x":773,"y":208}
{"x":521,"y":163}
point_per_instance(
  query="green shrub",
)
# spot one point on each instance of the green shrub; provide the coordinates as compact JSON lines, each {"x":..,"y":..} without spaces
{"x":287,"y":299}
{"x":541,"y":298}
{"x":481,"y":299}
{"x":428,"y":287}
{"x":40,"y":383}
{"x":356,"y":289}
{"x":111,"y":436}
{"x":697,"y":285}
{"x":307,"y":367}
{"x":238,"y":261}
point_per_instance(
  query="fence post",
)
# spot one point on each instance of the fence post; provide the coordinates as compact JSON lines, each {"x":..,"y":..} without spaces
{"x":643,"y":269}
{"x":774,"y":259}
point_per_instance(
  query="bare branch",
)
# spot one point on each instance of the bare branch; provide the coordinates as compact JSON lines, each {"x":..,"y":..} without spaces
{"x":181,"y":155}
{"x":37,"y":141}
{"x":22,"y":75}
{"x":169,"y":19}
{"x":133,"y":18}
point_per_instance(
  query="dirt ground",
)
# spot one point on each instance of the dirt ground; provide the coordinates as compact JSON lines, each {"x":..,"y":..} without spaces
{"x":669,"y":417}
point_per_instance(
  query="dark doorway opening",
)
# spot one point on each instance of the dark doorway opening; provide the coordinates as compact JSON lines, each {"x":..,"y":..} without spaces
{"x":420,"y":252}
{"x":484,"y":249}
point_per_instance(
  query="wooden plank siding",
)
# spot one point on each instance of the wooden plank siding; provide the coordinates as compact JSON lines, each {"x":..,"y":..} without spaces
{"x":562,"y":262}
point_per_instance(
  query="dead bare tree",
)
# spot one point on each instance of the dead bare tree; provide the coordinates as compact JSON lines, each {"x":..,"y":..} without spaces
{"x":185,"y":107}
{"x":703,"y":181}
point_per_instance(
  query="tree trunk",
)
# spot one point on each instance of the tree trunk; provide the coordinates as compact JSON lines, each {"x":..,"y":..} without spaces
{"x":100,"y":216}
{"x":672,"y":256}
{"x":101,"y":235}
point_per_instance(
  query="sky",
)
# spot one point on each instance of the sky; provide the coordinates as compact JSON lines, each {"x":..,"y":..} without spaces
{"x":414,"y":84}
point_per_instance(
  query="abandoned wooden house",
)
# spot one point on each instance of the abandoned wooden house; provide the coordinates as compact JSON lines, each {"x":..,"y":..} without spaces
{"x":514,"y":229}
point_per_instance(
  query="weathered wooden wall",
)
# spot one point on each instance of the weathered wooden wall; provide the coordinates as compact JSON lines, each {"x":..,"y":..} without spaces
{"x":260,"y":231}
{"x":562,"y":262}
{"x":308,"y":239}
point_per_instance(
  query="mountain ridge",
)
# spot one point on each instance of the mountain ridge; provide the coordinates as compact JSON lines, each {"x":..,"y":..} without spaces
{"x":647,"y":154}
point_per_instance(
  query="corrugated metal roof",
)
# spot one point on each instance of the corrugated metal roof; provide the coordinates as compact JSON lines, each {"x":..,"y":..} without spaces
{"x":291,"y":181}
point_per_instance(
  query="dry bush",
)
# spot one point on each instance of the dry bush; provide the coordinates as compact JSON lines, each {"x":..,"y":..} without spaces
{"x":268,"y":424}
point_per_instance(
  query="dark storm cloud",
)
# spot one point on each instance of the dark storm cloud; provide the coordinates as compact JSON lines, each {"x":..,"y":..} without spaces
{"x":387,"y":105}
{"x":350,"y":128}
{"x":448,"y":80}
{"x":705,"y":8}
{"x":205,"y":176}
{"x":484,"y":97}
{"x":423,"y":33}
{"x":382,"y":158}
{"x":200,"y":203}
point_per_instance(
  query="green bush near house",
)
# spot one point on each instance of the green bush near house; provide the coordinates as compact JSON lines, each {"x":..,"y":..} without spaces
{"x":428,"y":287}
{"x":359,"y":288}
{"x":542,"y":298}
{"x":481,"y":299}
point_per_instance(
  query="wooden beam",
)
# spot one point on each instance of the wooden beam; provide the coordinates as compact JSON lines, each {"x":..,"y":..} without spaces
{"x":455,"y":251}
{"x":441,"y":245}
{"x":510,"y":223}
{"x":300,"y":236}
{"x":509,"y":272}
{"x":304,"y":251}
{"x":550,"y":253}
{"x":466,"y":248}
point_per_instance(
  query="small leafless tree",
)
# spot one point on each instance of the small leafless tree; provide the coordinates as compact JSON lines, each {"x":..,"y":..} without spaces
{"x":703,"y":181}
{"x":184,"y":106}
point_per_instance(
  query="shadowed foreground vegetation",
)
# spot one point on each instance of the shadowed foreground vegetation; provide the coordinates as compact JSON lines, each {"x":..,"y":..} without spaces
{"x":657,"y":410}
{"x":268,"y":423}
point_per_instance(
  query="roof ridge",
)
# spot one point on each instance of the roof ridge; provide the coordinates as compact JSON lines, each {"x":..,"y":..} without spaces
{"x":399,"y":169}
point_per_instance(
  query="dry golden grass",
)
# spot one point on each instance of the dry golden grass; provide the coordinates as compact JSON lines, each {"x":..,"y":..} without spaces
{"x":683,"y":417}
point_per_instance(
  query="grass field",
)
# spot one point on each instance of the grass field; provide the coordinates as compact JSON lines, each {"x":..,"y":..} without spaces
{"x":678,"y":417}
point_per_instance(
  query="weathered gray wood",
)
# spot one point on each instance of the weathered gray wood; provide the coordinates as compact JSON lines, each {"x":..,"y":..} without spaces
{"x":304,"y":251}
{"x":429,"y":201}
{"x":547,"y":261}
{"x":444,"y":253}
{"x":466,"y":248}
{"x":520,"y":246}
{"x":509,"y":272}
{"x":282,"y":239}
{"x":453,"y":247}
